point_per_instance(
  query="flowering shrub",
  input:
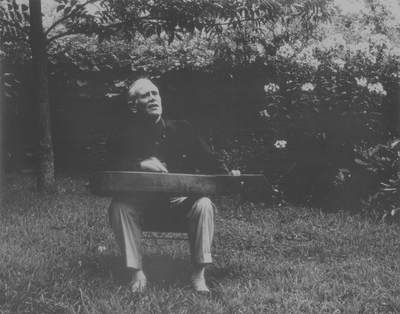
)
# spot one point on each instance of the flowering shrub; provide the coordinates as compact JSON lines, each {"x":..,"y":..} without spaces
{"x":328,"y":98}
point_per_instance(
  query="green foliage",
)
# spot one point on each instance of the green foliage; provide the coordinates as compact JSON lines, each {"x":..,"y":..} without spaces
{"x":152,"y":56}
{"x":322,"y":98}
{"x":14,"y":20}
{"x":372,"y":16}
{"x":127,"y":17}
{"x":107,"y":18}
{"x":332,"y":96}
{"x":383,"y":160}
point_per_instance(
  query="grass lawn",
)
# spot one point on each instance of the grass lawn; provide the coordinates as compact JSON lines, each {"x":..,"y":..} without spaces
{"x":58,"y":255}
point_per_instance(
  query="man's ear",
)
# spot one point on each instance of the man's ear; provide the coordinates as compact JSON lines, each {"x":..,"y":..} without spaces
{"x":132,"y":106}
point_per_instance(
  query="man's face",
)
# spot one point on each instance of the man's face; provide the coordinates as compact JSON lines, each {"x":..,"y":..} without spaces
{"x":146,"y":100}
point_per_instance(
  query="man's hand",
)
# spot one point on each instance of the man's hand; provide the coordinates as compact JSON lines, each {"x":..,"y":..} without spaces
{"x":234,"y":173}
{"x":154,"y":165}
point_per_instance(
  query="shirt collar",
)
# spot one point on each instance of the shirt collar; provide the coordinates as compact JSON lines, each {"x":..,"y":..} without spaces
{"x":160,"y":124}
{"x":159,"y":127}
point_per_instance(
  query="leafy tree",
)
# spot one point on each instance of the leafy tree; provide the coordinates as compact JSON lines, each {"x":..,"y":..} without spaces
{"x":20,"y":22}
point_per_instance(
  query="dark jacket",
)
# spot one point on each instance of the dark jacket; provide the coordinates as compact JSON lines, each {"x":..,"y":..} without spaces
{"x":173,"y":142}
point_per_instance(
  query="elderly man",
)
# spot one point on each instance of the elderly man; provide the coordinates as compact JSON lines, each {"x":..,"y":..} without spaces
{"x":158,"y":145}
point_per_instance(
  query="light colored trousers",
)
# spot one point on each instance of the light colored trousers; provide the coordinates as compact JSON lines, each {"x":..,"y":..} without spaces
{"x":127,"y":215}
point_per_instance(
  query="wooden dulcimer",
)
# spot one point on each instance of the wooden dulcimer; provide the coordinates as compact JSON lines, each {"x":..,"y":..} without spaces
{"x":114,"y":183}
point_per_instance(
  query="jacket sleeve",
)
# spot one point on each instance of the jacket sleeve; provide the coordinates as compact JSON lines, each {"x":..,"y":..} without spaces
{"x":201,"y":155}
{"x":210,"y":163}
{"x":118,"y":157}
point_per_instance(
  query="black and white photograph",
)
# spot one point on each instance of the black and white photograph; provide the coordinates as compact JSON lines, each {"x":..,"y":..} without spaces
{"x":199,"y":156}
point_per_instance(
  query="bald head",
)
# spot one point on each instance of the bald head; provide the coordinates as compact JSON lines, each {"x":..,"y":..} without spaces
{"x":144,"y":99}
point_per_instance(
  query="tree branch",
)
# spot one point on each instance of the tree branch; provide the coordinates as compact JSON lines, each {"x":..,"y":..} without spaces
{"x":76,"y":32}
{"x":119,"y":24}
{"x":67,"y":33}
{"x":66,"y":17}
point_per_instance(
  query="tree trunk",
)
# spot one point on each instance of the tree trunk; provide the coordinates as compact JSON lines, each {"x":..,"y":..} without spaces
{"x":46,"y":178}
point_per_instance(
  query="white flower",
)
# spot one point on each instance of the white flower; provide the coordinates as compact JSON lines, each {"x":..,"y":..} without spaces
{"x":380,"y":40}
{"x":339,"y":62}
{"x":306,"y":57}
{"x":372,"y":58}
{"x":360,"y":48}
{"x":307,"y":87}
{"x":335,"y":41}
{"x":395,"y":75}
{"x":314,"y":63}
{"x":376,"y":88}
{"x":395,"y":53}
{"x":285,"y":51}
{"x":271,"y":88}
{"x":361,"y":81}
{"x":101,"y":248}
{"x":264,"y":113}
{"x":280,"y":144}
{"x":298,"y":44}
{"x":260,"y":49}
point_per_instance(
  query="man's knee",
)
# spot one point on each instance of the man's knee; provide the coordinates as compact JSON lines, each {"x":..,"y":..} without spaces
{"x":121,"y":207}
{"x":204,"y":202}
{"x":203,"y":206}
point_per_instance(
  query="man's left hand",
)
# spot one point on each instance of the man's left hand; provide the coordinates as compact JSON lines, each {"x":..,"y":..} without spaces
{"x":234,"y":173}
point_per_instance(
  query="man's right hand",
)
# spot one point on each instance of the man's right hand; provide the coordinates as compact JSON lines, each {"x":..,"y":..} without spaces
{"x":153,"y":164}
